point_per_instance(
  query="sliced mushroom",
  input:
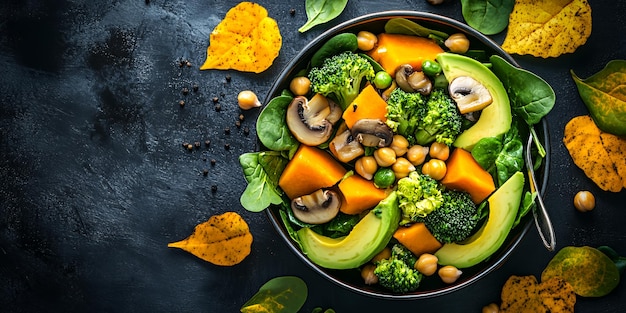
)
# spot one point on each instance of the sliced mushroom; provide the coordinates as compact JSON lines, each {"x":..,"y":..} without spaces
{"x":345,"y":148}
{"x":469,"y":94}
{"x":316,"y":208}
{"x":413,"y":81}
{"x":335,"y":111}
{"x":372,"y":133}
{"x":307,"y":119}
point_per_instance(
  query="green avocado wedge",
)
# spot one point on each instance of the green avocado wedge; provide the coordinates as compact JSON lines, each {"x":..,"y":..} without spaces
{"x":496,"y":118}
{"x":503,"y":206}
{"x":367,"y":238}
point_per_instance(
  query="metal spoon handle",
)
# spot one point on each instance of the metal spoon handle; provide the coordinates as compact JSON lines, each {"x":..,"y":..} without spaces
{"x":540,"y":213}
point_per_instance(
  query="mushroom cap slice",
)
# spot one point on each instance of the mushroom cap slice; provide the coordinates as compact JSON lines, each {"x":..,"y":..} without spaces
{"x":345,"y":147}
{"x":469,"y":94}
{"x":413,"y":81}
{"x":372,"y":132}
{"x":317,"y":208}
{"x":307,"y":119}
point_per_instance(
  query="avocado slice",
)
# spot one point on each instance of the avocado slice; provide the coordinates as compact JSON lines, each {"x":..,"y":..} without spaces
{"x":368,"y":237}
{"x":496,"y":118}
{"x":503,"y":206}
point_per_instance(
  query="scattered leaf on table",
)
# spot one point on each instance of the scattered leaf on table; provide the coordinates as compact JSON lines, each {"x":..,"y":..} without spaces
{"x":548,"y":28}
{"x":321,"y":11}
{"x":589,"y":271}
{"x":279,"y":295}
{"x":602,"y":156}
{"x":604,"y":94}
{"x":246,"y":40}
{"x":487,"y":16}
{"x":522,"y":294}
{"x":222,"y":240}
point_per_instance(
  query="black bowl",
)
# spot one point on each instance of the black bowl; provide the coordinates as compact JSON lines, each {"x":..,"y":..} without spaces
{"x":430,"y":286}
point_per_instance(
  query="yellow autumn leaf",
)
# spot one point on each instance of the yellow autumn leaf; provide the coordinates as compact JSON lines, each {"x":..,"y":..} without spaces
{"x":246,"y":40}
{"x":222,"y":240}
{"x":548,"y":28}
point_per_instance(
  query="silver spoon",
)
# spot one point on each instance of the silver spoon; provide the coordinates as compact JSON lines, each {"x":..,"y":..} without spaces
{"x":540,"y":213}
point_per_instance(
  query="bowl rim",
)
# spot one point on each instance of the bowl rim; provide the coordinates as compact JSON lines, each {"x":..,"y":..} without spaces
{"x":507,"y":248}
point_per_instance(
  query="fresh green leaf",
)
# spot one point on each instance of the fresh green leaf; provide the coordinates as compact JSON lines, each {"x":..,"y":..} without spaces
{"x":321,"y":11}
{"x":339,"y":226}
{"x":528,"y":202}
{"x":620,"y":261}
{"x":261,"y":191}
{"x":531,"y":97}
{"x":408,"y":27}
{"x":486,"y":151}
{"x":487,"y":16}
{"x":284,"y":294}
{"x":293,"y":234}
{"x":271,"y":126}
{"x":604,"y":94}
{"x":501,"y":157}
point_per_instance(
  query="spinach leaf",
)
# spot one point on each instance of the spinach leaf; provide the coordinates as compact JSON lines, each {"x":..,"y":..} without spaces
{"x":321,"y":11}
{"x":531,"y":97}
{"x":501,"y":157}
{"x":271,"y":126}
{"x":407,"y":27}
{"x":279,"y":294}
{"x":487,"y":16}
{"x":339,"y":226}
{"x":262,"y":189}
{"x":528,"y":202}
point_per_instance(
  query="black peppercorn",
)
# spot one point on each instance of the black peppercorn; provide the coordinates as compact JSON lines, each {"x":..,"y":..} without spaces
{"x":238,"y":124}
{"x":185,"y":91}
{"x":207,"y":142}
{"x":205,"y":172}
{"x":213,"y":162}
{"x":227,"y":146}
{"x":197,"y":144}
{"x":195,"y":88}
{"x":292,"y":12}
{"x":218,"y":107}
{"x":227,"y":130}
{"x":246,"y":131}
{"x":228,"y":78}
{"x":214,"y":188}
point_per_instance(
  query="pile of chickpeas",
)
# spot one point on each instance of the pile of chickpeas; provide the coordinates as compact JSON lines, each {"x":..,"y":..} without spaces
{"x":403,"y":159}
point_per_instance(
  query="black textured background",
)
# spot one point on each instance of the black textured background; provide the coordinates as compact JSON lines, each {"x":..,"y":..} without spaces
{"x":95,"y":181}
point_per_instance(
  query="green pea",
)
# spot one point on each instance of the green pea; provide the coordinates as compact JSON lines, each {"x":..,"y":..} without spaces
{"x":382,"y":80}
{"x":431,"y":68}
{"x":384,"y":177}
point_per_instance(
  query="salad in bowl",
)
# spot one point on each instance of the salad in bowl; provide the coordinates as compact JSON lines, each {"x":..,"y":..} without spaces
{"x":391,"y":155}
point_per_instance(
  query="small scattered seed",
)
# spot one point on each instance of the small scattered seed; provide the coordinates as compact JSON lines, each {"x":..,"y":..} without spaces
{"x":246,"y":131}
{"x":214,"y":188}
{"x":227,"y":130}
{"x":213,"y":161}
{"x":216,"y":99}
{"x":189,"y":147}
{"x":241,"y":117}
{"x":238,"y":124}
{"x":188,"y":63}
{"x":292,"y":12}
{"x":197,"y":144}
{"x":205,"y":172}
{"x":207,"y":142}
{"x":228,"y":78}
{"x":195,"y":87}
{"x":185,"y":144}
{"x":227,"y":146}
{"x":181,"y":103}
{"x":218,"y":107}
{"x":185,"y":91}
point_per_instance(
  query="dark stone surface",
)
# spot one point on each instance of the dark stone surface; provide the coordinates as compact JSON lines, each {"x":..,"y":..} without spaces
{"x":95,"y":181}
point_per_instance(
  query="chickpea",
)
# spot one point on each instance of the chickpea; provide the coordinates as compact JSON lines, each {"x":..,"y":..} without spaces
{"x":439,"y":151}
{"x":402,"y":167}
{"x":367,"y":272}
{"x":300,"y":85}
{"x":457,"y":43}
{"x":435,"y":168}
{"x":426,"y":264}
{"x":584,"y":201}
{"x":366,"y":40}
{"x":385,"y":156}
{"x":417,"y":154}
{"x":382,"y":255}
{"x":449,"y":274}
{"x":366,"y":167}
{"x":400,"y":145}
{"x":491,"y":308}
{"x":248,"y":100}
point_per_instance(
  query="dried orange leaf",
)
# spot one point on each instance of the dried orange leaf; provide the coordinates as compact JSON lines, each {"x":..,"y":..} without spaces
{"x":548,"y":28}
{"x":521,"y":294}
{"x":246,"y":40}
{"x":222,"y":240}
{"x":600,"y":155}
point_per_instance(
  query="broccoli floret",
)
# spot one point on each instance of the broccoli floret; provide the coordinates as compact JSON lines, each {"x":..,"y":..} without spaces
{"x":403,"y":253}
{"x":442,"y":121}
{"x":397,"y":276}
{"x":340,"y":77}
{"x":455,"y":219}
{"x":404,"y":112}
{"x":418,"y":195}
